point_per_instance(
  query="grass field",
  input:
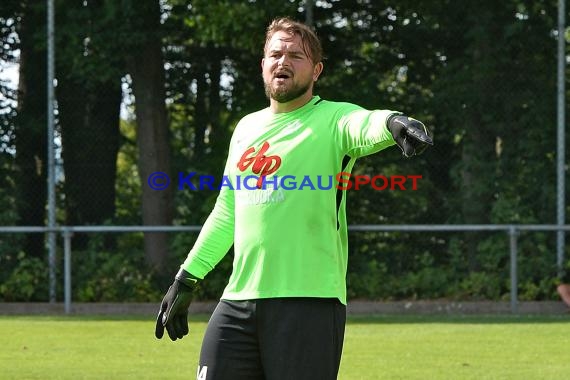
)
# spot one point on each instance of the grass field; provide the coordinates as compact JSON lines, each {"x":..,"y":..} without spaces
{"x":390,"y":347}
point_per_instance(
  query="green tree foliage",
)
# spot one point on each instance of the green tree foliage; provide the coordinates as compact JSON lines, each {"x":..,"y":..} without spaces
{"x":9,"y":11}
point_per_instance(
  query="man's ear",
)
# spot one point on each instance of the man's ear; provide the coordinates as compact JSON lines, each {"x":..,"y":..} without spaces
{"x":262,"y":61}
{"x":317,"y":71}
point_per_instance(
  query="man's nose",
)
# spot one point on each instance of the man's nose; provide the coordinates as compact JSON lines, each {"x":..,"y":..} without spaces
{"x":282,"y":60}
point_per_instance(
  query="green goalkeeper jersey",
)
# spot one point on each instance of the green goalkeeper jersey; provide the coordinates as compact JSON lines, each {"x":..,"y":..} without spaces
{"x":278,"y":201}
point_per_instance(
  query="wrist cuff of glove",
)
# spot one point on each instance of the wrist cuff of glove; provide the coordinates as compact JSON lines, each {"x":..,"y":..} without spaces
{"x":391,"y":117}
{"x":186,"y":278}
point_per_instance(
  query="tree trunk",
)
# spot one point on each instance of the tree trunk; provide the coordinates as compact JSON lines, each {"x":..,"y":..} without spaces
{"x":89,"y":99}
{"x":90,"y":132}
{"x":146,"y":67}
{"x":478,"y":151}
{"x":477,"y":185}
{"x":219,"y":134}
{"x":200,"y":118}
{"x":30,"y":128}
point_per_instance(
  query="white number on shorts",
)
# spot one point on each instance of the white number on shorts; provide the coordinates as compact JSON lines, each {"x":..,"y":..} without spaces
{"x":201,"y":373}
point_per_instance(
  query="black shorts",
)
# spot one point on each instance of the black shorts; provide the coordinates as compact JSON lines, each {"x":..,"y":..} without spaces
{"x":274,"y":339}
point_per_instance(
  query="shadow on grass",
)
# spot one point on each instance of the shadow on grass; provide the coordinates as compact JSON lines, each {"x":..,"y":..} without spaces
{"x":98,"y":318}
{"x":459,"y":319}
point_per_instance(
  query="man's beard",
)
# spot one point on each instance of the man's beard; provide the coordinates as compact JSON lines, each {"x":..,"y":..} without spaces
{"x":284,"y":94}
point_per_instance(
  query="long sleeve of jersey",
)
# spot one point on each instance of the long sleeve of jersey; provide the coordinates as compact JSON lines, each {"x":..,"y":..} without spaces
{"x":363,"y":132}
{"x":216,"y":236}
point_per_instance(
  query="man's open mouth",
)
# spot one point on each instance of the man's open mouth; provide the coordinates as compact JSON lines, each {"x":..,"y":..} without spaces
{"x":282,"y":75}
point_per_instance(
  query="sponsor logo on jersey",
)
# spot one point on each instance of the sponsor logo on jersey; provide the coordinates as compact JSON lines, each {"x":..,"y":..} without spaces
{"x":260,"y":163}
{"x":261,"y":196}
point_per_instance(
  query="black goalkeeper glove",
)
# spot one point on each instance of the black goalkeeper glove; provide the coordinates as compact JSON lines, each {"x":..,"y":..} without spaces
{"x":173,"y":313}
{"x":411,"y":135}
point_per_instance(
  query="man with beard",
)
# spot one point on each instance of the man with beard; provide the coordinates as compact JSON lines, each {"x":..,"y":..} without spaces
{"x":282,"y":314}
